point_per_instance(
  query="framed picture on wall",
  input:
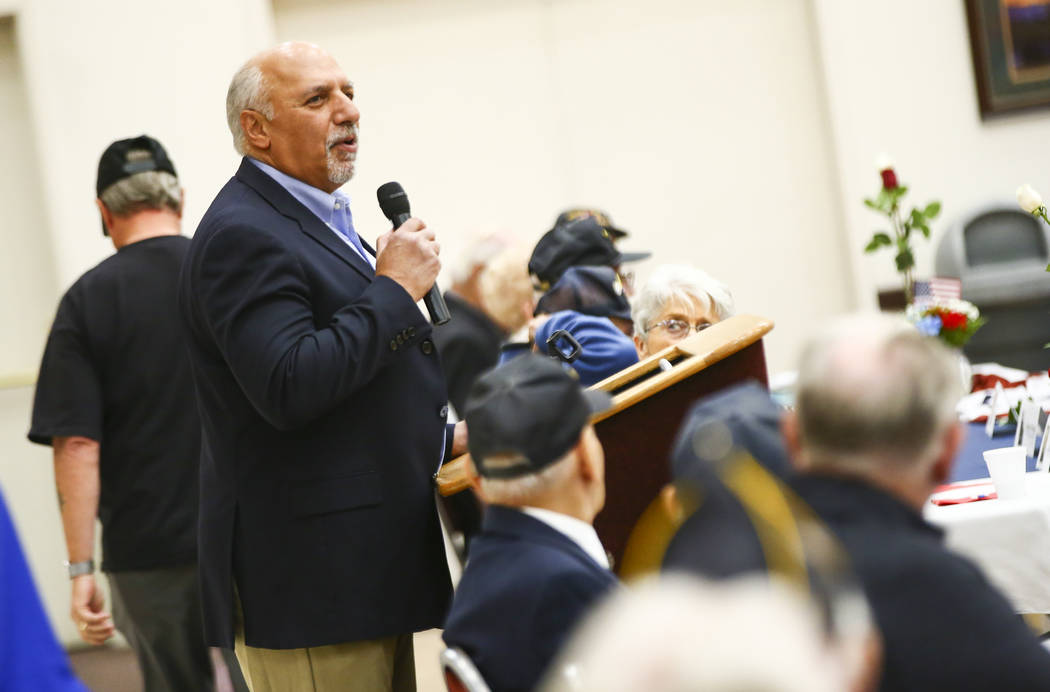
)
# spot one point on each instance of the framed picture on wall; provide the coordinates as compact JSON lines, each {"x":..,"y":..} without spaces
{"x":1010,"y":41}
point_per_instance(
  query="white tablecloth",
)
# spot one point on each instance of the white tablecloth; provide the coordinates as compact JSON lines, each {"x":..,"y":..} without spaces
{"x":1008,"y":539}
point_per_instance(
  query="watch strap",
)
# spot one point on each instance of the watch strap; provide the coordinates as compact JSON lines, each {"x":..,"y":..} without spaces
{"x":78,"y":568}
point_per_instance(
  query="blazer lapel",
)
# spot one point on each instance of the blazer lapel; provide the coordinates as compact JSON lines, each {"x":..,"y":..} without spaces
{"x":287,"y":205}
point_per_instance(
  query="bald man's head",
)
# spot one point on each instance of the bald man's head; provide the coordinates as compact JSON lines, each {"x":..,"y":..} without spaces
{"x":872,"y":386}
{"x":291,"y":106}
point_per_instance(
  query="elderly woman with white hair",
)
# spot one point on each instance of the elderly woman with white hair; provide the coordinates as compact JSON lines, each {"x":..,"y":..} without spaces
{"x":676,"y":301}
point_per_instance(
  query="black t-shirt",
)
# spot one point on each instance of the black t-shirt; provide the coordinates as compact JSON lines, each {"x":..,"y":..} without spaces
{"x":116,"y":370}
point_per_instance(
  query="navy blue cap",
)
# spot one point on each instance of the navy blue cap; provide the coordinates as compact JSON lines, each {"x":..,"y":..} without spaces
{"x":583,"y":242}
{"x":595,"y":291}
{"x":525,"y":415}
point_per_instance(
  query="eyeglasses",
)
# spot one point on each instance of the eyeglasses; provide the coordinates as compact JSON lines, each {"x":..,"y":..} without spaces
{"x":679,"y":328}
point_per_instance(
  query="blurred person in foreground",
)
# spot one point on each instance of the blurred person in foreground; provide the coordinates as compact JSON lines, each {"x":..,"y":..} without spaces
{"x":115,"y":400}
{"x":874,"y":432}
{"x":678,"y":633}
{"x":488,"y":299}
{"x":537,"y":566}
{"x":321,"y":395}
{"x":676,"y":302}
{"x":30,"y":655}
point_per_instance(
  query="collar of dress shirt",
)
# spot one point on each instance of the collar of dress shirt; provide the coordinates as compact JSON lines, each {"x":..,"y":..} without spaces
{"x":580,"y":532}
{"x":324,"y":206}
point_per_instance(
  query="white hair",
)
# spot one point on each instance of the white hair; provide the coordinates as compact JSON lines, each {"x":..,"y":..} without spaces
{"x":141,"y":191}
{"x":679,"y":633}
{"x":505,"y":287}
{"x":480,"y":251}
{"x":679,"y":283}
{"x":248,"y":91}
{"x":872,"y":388}
{"x":525,"y":490}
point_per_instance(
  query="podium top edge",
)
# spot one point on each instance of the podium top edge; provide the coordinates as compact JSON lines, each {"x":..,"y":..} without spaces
{"x":691,"y":355}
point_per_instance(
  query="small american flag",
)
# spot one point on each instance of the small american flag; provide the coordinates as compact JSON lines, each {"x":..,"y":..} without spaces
{"x":937,"y":288}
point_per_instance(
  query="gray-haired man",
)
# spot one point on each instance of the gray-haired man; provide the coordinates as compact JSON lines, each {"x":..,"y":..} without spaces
{"x":115,"y":399}
{"x":875,"y":432}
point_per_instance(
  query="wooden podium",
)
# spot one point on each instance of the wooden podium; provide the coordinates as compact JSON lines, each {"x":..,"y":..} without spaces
{"x":649,"y":402}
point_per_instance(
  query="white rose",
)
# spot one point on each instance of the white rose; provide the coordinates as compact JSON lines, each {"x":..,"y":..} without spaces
{"x":1028,"y":198}
{"x":883,"y":162}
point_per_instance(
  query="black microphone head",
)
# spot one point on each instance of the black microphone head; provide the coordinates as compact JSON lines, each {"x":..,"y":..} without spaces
{"x":393,"y":200}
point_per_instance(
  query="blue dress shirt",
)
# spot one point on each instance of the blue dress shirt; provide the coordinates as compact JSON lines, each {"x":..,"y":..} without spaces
{"x":333,"y":209}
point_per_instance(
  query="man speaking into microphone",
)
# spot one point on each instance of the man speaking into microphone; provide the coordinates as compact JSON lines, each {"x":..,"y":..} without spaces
{"x":321,"y":398}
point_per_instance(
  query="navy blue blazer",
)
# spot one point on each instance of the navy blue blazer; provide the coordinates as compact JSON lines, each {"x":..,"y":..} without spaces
{"x":323,"y":408}
{"x":524,"y":588}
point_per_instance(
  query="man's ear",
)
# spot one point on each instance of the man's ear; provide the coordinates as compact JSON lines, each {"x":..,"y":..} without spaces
{"x":792,"y":438}
{"x":587,"y":459}
{"x":951,"y":442}
{"x":182,"y":202}
{"x":107,"y":215}
{"x":639,"y":346}
{"x":256,"y":129}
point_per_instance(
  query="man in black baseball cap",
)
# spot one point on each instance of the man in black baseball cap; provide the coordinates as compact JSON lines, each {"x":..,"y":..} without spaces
{"x":115,"y":400}
{"x":584,"y":242}
{"x":126,"y":157}
{"x":537,"y":557}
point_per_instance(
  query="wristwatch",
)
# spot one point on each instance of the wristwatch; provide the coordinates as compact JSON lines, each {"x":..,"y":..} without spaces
{"x":78,"y":568}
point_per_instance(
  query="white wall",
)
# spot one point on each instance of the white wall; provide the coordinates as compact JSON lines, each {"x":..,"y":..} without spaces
{"x":699,"y":125}
{"x":27,"y":274}
{"x":900,"y":79}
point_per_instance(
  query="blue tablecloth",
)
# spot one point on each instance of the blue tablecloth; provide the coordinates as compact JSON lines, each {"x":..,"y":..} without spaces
{"x":969,"y":463}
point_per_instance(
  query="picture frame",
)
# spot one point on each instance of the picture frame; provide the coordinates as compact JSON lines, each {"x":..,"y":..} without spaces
{"x":1010,"y":44}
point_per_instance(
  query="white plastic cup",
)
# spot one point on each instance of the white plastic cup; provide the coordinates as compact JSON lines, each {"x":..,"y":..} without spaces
{"x":1006,"y":466}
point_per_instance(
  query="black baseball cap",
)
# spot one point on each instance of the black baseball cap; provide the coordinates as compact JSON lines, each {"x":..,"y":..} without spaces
{"x":575,"y":213}
{"x":118,"y":161}
{"x":126,"y":157}
{"x":525,"y":415}
{"x":595,"y":291}
{"x":582,"y":242}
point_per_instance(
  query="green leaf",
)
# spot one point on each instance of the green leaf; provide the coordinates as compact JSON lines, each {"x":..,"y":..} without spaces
{"x":878,"y":240}
{"x":932,"y":210}
{"x":925,"y":230}
{"x":905,"y":260}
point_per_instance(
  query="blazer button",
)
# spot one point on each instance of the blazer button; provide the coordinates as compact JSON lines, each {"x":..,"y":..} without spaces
{"x":393,"y":345}
{"x":400,"y":339}
{"x":443,"y":412}
{"x":427,"y":346}
{"x":411,"y":332}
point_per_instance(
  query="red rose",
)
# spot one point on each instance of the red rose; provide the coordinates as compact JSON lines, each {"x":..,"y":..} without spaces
{"x":889,"y":179}
{"x":953,"y":320}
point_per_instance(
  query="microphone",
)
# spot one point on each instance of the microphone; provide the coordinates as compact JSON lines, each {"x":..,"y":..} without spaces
{"x":394,"y":203}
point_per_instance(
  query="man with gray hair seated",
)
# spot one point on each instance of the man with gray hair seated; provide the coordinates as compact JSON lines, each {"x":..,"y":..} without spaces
{"x":537,"y":566}
{"x":874,"y":432}
{"x":675,"y":302}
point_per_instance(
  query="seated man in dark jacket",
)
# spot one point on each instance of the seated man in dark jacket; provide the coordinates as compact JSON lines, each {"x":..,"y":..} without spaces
{"x":875,"y":432}
{"x":537,"y":566}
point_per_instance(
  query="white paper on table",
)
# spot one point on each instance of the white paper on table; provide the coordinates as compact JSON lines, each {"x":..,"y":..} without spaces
{"x":1038,"y":387}
{"x":998,"y":397}
{"x":1041,"y":463}
{"x":1027,"y":427}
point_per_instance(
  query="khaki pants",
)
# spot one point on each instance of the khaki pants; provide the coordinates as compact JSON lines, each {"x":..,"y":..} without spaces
{"x":380,"y":665}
